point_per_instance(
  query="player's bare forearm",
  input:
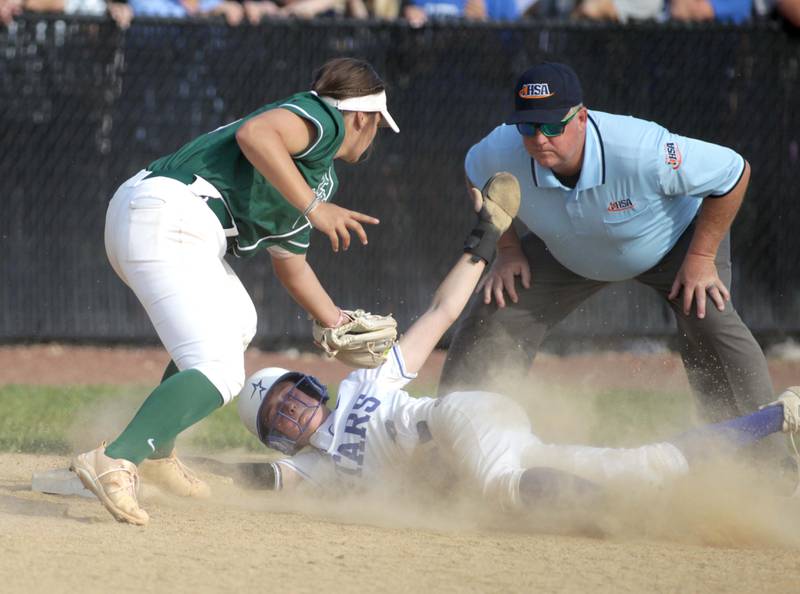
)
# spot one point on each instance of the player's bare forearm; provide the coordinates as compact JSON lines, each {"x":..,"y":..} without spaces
{"x":448,"y":302}
{"x":303,"y":285}
{"x":698,"y":275}
{"x":716,"y":217}
{"x":268,"y":141}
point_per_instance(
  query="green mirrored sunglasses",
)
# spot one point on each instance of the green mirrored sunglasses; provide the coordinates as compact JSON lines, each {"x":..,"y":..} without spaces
{"x":549,"y":130}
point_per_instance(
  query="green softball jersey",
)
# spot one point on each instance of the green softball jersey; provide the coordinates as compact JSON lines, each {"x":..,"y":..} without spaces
{"x":260,"y":214}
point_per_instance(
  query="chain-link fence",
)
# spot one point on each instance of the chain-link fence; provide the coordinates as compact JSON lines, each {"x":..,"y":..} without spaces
{"x":84,"y":105}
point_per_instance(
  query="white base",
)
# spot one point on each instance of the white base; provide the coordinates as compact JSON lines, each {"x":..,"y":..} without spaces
{"x":59,"y":481}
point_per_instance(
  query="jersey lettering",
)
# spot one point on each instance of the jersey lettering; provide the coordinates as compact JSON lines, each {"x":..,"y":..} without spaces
{"x":349,"y":457}
{"x":368,"y":403}
{"x":352,"y":451}
{"x":353,"y":422}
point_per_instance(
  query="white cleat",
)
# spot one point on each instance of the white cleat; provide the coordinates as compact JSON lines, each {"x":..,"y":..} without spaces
{"x":174,"y":476}
{"x":790,"y":400}
{"x":114,"y":481}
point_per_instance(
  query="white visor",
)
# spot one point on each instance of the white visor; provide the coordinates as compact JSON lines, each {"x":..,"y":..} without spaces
{"x":367,"y":103}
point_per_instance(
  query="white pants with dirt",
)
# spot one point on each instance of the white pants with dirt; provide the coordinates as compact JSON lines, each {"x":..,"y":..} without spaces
{"x":487,"y":438}
{"x":167,"y":245}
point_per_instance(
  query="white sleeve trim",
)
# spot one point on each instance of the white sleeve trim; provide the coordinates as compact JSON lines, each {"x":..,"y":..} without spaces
{"x":401,"y":363}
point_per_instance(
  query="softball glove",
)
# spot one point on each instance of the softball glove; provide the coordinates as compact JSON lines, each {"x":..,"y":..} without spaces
{"x":364,"y":341}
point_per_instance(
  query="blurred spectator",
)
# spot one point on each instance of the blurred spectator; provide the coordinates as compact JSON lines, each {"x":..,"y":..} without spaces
{"x":736,"y":11}
{"x":120,"y":12}
{"x":418,"y":12}
{"x":387,"y":10}
{"x":619,"y":10}
{"x":789,"y":10}
{"x":384,"y":10}
{"x":8,"y":10}
{"x":232,"y":11}
{"x":255,"y":11}
{"x":307,"y":9}
{"x":546,"y":9}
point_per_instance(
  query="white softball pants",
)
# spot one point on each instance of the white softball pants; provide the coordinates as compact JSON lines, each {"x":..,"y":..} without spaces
{"x":488,"y":440}
{"x":168,"y":247}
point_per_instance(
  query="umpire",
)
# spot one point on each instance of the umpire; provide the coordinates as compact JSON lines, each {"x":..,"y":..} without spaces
{"x":607,"y":198}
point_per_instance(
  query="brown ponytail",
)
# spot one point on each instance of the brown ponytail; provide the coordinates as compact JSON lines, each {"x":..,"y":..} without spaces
{"x":342,"y":78}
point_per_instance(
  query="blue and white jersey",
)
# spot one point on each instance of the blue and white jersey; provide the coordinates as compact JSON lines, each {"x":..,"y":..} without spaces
{"x":640,"y":187}
{"x":371,"y":434}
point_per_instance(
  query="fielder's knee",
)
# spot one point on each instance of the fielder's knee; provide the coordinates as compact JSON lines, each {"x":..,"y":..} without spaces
{"x":228,"y":379}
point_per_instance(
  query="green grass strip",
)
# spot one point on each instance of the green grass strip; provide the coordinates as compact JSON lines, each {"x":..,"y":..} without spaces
{"x":47,"y":419}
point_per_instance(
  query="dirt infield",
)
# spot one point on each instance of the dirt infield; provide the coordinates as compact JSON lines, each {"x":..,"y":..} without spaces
{"x":696,"y":538}
{"x":240,"y":541}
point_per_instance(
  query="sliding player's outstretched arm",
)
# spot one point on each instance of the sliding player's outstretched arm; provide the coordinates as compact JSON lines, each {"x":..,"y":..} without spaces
{"x":270,"y":476}
{"x":497,"y":205}
{"x":448,"y":302}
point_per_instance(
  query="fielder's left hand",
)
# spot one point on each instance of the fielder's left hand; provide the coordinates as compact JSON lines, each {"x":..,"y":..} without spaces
{"x":698,"y":277}
{"x":337,"y":222}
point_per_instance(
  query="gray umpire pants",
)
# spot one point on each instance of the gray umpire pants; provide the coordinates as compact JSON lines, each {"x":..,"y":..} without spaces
{"x":493,"y":348}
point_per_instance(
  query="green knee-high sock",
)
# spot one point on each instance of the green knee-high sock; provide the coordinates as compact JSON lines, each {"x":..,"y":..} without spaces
{"x":164,"y":449}
{"x":178,"y":403}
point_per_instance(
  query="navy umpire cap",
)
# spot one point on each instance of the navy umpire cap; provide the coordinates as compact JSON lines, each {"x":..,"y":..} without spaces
{"x":545,"y":93}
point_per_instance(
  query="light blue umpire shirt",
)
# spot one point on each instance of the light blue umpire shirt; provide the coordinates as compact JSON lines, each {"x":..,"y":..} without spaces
{"x":640,"y":187}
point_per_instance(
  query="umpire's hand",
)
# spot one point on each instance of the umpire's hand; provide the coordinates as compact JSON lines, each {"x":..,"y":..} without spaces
{"x":510,"y":263}
{"x":697,"y":277}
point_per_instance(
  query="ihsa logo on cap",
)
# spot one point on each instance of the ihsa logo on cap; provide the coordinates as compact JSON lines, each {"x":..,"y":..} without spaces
{"x":535,"y":91}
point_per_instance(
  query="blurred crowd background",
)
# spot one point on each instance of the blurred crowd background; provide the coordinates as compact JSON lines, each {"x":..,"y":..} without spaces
{"x":418,"y":13}
{"x":91,"y":92}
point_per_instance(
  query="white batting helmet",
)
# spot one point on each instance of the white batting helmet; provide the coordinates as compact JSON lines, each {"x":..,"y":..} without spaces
{"x":253,"y":393}
{"x":253,"y":396}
